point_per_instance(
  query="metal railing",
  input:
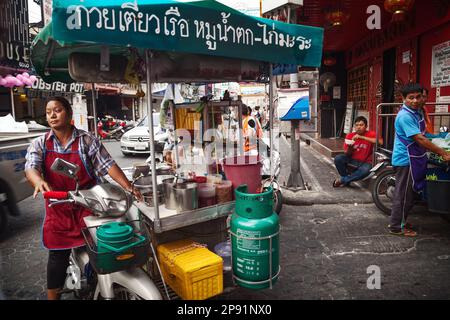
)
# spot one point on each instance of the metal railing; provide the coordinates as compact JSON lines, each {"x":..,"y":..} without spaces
{"x":379,"y":115}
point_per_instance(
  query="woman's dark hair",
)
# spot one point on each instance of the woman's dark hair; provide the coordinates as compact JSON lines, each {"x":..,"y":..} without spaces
{"x":411,"y":88}
{"x":361,"y":118}
{"x":244,"y":110}
{"x":63,"y":101}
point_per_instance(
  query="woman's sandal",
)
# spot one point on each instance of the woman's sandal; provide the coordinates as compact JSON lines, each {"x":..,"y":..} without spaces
{"x":404,"y":233}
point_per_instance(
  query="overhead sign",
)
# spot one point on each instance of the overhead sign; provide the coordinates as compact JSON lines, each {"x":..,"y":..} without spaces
{"x":14,"y":34}
{"x":14,"y":55}
{"x":200,"y":27}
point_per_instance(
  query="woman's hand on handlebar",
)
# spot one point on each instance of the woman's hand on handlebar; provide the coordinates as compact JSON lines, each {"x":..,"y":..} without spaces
{"x":41,"y":186}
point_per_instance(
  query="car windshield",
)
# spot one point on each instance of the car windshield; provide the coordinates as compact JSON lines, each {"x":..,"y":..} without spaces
{"x":144,"y":122}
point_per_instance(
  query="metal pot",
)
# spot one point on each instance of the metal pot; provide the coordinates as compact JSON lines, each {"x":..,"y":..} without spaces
{"x":186,"y":195}
{"x":148,"y":198}
{"x":164,"y":170}
{"x":169,"y":194}
{"x":145,"y":184}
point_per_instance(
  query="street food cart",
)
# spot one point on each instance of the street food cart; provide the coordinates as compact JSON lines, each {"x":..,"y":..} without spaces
{"x":170,"y":42}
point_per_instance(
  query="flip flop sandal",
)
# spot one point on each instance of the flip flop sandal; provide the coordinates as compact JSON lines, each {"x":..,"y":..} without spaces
{"x":403,"y":233}
{"x":407,"y":226}
{"x":337,"y":183}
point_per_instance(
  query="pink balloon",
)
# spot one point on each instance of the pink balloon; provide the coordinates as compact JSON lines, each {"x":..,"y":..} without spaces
{"x":20,"y":77}
{"x":33,"y":78}
{"x":17,"y":82}
{"x":27,"y":82}
{"x":26,"y":74}
{"x":10,"y":79}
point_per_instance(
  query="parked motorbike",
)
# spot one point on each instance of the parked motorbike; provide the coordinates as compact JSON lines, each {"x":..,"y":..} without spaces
{"x":383,"y":188}
{"x":115,"y":133}
{"x":115,"y":274}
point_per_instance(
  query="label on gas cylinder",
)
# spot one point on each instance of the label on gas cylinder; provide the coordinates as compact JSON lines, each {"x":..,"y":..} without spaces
{"x":243,"y":243}
{"x":250,"y":267}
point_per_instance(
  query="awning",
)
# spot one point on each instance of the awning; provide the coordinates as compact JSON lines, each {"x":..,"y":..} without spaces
{"x":103,"y":89}
{"x":204,"y":27}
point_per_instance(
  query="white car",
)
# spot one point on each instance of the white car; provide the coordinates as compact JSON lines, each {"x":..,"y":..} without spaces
{"x":136,"y":140}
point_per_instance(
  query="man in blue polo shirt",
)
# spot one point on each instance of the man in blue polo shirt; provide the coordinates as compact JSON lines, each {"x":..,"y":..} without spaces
{"x":409,"y":158}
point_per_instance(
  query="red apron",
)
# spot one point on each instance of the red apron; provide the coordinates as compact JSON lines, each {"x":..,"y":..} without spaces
{"x":63,"y":223}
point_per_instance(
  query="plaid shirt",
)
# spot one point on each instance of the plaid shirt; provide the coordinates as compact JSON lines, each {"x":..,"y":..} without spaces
{"x":97,"y":159}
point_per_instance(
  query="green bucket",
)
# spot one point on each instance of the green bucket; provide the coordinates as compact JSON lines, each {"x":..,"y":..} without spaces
{"x":116,"y":247}
{"x":114,"y":237}
{"x":254,"y":206}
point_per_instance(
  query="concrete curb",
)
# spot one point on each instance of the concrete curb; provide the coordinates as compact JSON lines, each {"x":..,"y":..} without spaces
{"x":309,"y":198}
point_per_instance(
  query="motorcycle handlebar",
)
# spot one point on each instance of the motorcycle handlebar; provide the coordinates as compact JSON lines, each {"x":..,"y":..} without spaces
{"x":59,"y":195}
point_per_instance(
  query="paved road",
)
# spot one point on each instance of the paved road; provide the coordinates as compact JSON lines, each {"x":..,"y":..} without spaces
{"x":325,"y":251}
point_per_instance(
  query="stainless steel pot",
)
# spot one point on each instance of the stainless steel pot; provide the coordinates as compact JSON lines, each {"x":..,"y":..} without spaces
{"x":169,"y":194}
{"x":145,"y":184}
{"x":148,"y":198}
{"x":186,"y":195}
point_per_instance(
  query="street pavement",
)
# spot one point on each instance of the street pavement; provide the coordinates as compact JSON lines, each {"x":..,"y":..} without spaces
{"x":329,"y":246}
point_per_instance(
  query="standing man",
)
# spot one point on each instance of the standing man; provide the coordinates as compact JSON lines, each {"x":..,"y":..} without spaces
{"x":252,"y":131}
{"x":358,"y":149}
{"x":63,"y":223}
{"x":409,"y":158}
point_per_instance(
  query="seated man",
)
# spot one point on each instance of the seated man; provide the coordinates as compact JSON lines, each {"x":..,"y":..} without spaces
{"x":358,"y":152}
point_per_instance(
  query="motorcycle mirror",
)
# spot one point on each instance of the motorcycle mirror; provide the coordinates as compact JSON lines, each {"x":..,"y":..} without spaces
{"x":65,"y":168}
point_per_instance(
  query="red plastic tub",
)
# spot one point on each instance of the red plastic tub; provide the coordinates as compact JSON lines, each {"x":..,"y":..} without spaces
{"x":244,"y":170}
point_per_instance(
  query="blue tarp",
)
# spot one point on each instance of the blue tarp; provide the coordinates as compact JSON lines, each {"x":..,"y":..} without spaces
{"x":299,"y":110}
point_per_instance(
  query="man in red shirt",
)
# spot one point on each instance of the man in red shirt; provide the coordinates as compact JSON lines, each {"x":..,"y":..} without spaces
{"x":358,"y":149}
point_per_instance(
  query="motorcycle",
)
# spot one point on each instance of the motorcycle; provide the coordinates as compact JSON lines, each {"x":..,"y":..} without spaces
{"x":115,"y":133}
{"x":383,"y":188}
{"x":108,"y":275}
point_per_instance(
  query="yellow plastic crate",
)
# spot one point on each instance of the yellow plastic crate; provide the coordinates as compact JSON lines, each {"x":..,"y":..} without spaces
{"x":191,"y":270}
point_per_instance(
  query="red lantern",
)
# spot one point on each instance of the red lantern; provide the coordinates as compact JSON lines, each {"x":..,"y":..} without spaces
{"x":398,"y":8}
{"x":329,"y":61}
{"x":336,"y":17}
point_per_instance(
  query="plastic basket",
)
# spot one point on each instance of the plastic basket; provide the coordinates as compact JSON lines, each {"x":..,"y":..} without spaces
{"x":109,"y":262}
{"x":190,"y":269}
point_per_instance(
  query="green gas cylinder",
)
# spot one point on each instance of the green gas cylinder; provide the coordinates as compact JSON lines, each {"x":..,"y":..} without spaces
{"x":254,"y":239}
